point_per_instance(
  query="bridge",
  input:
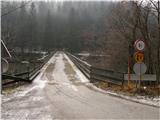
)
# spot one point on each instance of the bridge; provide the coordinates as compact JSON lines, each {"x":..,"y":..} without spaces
{"x":61,"y":91}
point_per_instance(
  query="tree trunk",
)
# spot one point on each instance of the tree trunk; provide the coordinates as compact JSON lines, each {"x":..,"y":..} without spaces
{"x":158,"y":46}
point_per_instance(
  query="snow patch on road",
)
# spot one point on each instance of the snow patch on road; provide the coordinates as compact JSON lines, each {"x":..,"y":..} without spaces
{"x":59,"y":74}
{"x":79,"y":74}
{"x":84,"y":54}
{"x":37,"y":98}
{"x":139,"y":99}
{"x":37,"y":83}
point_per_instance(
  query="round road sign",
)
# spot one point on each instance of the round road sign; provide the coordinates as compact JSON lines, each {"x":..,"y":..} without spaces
{"x":140,"y":45}
{"x":139,"y":68}
{"x":139,"y":57}
{"x":4,"y":65}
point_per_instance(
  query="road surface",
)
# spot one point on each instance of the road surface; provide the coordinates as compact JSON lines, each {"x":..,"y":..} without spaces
{"x":61,"y":91}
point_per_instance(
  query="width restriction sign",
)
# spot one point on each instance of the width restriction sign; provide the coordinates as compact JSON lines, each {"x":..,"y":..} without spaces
{"x":139,"y":45}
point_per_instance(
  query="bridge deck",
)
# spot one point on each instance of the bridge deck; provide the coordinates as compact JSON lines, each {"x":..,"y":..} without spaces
{"x":61,"y":91}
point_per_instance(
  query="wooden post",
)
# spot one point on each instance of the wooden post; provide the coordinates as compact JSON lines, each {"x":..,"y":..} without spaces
{"x":129,"y":72}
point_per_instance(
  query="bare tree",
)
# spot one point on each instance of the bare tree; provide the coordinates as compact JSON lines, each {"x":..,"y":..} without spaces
{"x":155,"y":10}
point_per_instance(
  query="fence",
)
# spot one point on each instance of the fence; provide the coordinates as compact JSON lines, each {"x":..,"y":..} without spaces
{"x":99,"y":74}
{"x":24,"y":76}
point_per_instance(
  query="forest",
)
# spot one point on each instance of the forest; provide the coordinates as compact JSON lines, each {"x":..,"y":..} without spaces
{"x":105,"y":27}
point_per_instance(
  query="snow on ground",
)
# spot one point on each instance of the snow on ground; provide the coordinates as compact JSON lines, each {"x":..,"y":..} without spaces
{"x":41,"y":52}
{"x":79,"y":74}
{"x":37,"y":83}
{"x":84,"y":54}
{"x":43,"y":57}
{"x":140,"y":99}
{"x":59,"y":74}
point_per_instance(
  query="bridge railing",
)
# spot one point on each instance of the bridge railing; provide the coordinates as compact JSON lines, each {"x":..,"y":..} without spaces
{"x":25,"y":76}
{"x":82,"y":65}
{"x":36,"y":71}
{"x":94,"y":73}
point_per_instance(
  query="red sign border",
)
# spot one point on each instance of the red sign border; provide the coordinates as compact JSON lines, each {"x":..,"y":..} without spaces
{"x":136,"y":47}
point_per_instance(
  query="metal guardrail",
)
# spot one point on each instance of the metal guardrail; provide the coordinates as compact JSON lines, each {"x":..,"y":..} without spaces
{"x":25,"y":76}
{"x":99,"y":74}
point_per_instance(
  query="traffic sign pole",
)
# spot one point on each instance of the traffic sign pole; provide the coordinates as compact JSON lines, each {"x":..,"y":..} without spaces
{"x":140,"y":77}
{"x":139,"y":67}
{"x":129,"y":72}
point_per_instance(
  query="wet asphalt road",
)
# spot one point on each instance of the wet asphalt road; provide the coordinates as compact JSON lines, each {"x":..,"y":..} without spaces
{"x":61,"y":92}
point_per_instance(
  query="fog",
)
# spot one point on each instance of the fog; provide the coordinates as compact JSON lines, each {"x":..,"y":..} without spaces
{"x":53,"y":25}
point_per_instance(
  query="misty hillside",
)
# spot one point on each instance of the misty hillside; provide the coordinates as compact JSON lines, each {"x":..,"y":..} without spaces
{"x":104,"y":28}
{"x":51,"y":25}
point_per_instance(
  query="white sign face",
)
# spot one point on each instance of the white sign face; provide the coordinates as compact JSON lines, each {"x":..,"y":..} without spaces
{"x":140,"y":45}
{"x":139,"y":68}
{"x":146,"y":77}
{"x":4,"y":65}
